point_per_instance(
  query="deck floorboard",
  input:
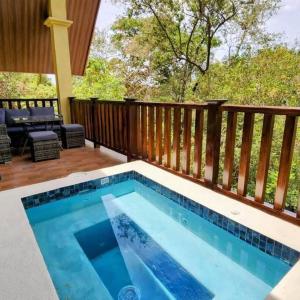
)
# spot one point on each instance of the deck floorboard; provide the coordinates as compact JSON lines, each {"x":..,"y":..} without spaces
{"x":22,"y":171}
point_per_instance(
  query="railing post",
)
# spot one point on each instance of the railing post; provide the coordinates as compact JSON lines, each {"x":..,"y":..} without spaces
{"x":71,"y":101}
{"x":93,"y":118}
{"x":129,"y":127}
{"x":213,"y":138}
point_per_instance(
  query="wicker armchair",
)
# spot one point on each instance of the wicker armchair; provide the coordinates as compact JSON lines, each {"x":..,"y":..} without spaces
{"x":5,"y":154}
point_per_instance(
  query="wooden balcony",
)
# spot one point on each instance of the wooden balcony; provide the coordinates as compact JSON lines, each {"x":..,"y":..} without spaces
{"x":232,"y":149}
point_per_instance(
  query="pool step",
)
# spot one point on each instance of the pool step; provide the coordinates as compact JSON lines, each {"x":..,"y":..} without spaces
{"x":207,"y":264}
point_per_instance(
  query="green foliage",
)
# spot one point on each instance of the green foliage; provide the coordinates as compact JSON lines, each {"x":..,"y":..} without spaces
{"x":18,"y":85}
{"x":185,"y":36}
{"x":266,"y":78}
{"x":99,"y":81}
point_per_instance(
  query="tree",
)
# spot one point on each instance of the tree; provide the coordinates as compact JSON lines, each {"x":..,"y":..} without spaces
{"x":268,"y":77}
{"x":99,"y":81}
{"x":20,"y":85}
{"x":192,"y":29}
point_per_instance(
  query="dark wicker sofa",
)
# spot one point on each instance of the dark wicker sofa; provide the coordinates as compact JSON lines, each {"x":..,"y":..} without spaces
{"x":5,"y":153}
{"x":17,"y":132}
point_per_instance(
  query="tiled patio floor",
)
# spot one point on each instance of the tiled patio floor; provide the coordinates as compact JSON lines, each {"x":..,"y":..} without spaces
{"x":22,"y":171}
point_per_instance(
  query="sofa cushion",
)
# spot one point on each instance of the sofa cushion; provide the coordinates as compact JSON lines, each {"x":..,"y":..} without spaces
{"x":41,"y":111}
{"x":15,"y":129}
{"x":15,"y":113}
{"x":39,"y":136}
{"x":2,"y":116}
{"x":72,"y":127}
{"x":53,"y":127}
{"x":41,"y":127}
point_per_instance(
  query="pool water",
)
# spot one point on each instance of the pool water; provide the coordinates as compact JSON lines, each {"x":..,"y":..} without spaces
{"x":126,"y":241}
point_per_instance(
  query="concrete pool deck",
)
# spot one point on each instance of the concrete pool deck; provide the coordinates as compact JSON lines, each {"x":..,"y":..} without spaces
{"x":23,"y":273}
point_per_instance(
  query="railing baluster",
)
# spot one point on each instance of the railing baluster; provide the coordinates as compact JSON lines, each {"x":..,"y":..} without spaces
{"x":229,"y":150}
{"x":187,"y":141}
{"x":93,"y":120}
{"x":176,"y":139}
{"x":151,"y":133}
{"x":144,"y":131}
{"x":198,"y":143}
{"x":115,"y":121}
{"x":133,"y":131}
{"x":120,"y":127}
{"x":125,"y":128}
{"x":107,"y":131}
{"x":285,"y":161}
{"x":111,"y":125}
{"x":264,"y":158}
{"x":102,"y":122}
{"x":98,"y":125}
{"x":245,"y":154}
{"x":158,"y":149}
{"x":167,"y":137}
{"x":138,"y":131}
{"x":213,"y":138}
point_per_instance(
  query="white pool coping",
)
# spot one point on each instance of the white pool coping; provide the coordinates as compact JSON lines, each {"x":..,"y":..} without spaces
{"x":24,"y":275}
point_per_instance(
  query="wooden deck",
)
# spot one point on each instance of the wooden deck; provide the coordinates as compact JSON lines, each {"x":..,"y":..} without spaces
{"x":22,"y":171}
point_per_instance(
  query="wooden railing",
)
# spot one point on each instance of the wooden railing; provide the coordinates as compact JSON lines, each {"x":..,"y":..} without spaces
{"x":26,"y":103}
{"x":185,"y":139}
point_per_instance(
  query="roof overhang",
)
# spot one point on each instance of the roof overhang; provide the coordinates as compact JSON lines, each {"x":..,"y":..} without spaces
{"x":25,"y":44}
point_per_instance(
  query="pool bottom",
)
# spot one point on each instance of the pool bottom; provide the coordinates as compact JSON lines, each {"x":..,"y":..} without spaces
{"x":206,"y":251}
{"x":133,"y":258}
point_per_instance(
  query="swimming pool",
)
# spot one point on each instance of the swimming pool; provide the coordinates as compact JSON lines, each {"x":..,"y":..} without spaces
{"x":127,"y":235}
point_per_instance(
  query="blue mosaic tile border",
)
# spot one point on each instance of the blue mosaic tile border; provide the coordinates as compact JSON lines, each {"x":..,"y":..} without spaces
{"x":68,"y":191}
{"x":254,"y":238}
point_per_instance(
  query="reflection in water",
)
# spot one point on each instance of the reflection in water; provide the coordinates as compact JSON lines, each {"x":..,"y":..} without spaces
{"x":140,"y":251}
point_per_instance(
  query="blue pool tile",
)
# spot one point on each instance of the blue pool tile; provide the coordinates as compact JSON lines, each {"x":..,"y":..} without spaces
{"x":225,"y":223}
{"x":230,"y":226}
{"x":270,"y":246}
{"x":255,"y":239}
{"x":243,"y":231}
{"x":277,"y":249}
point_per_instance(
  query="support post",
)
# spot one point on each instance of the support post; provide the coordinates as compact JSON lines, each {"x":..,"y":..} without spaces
{"x":93,"y":118}
{"x":58,"y":24}
{"x":213,"y":138}
{"x":129,"y":127}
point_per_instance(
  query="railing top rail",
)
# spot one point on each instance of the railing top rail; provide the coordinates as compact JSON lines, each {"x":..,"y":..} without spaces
{"x":28,"y":99}
{"x":99,"y":100}
{"x":144,"y":103}
{"x":275,"y":110}
{"x":171,"y":104}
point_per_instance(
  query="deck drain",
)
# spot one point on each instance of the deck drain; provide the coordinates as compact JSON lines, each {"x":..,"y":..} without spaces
{"x":129,"y":292}
{"x":235,"y":212}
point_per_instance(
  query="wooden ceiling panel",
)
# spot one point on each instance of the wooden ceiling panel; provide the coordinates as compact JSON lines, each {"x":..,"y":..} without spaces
{"x":25,"y":41}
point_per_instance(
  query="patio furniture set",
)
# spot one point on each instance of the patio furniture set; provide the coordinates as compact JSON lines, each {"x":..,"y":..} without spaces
{"x":41,"y":128}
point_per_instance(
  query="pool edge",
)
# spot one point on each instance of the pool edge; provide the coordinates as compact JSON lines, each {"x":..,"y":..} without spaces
{"x":280,"y":230}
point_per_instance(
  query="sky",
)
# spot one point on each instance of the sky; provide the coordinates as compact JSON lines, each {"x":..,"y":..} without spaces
{"x":286,"y":21}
